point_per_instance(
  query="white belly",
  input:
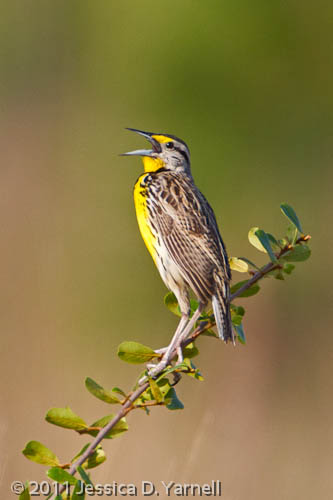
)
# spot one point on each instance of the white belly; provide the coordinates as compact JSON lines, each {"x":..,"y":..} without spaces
{"x":169,"y":270}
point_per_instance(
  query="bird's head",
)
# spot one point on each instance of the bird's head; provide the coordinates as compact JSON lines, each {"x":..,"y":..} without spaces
{"x":167,"y":152}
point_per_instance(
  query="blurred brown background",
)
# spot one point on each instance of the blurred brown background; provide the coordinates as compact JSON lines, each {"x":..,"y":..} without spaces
{"x":248,"y":85}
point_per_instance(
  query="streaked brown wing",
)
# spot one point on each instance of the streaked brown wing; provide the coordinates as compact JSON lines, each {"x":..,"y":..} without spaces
{"x":188,"y":227}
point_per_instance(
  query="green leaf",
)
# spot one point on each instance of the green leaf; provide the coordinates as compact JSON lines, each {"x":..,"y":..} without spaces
{"x":237,"y":309}
{"x":99,"y":392}
{"x":194,"y":306}
{"x":283,"y":242}
{"x":193,"y":371}
{"x":37,"y":452}
{"x":190,"y":351}
{"x":86,"y":479}
{"x":292,"y":233}
{"x":84,"y":476}
{"x":250,"y":263}
{"x":172,"y":304}
{"x":247,"y":293}
{"x":240,"y":333}
{"x":273,"y":242}
{"x":119,"y":391}
{"x":25,"y":495}
{"x":237,"y":319}
{"x":65,"y":417}
{"x":254,"y":240}
{"x":61,"y":476}
{"x":133,"y":352}
{"x":155,"y":390}
{"x":264,"y":240}
{"x":238,"y":265}
{"x":278,"y":275}
{"x":298,"y":254}
{"x":96,"y":459}
{"x":290,"y":213}
{"x":288,"y":268}
{"x":172,"y":401}
{"x":76,"y":495}
{"x":163,"y":385}
{"x":119,"y":428}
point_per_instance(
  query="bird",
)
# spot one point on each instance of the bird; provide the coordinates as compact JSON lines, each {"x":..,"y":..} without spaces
{"x":181,"y":234}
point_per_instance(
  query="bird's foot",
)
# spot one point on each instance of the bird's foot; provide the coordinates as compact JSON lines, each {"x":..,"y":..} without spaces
{"x":155,"y":369}
{"x":163,"y":350}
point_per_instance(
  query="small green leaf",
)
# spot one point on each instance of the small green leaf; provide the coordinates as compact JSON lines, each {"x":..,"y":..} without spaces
{"x":65,"y":417}
{"x":37,"y":452}
{"x":290,"y":213}
{"x":264,"y":240}
{"x":78,"y":492}
{"x":250,"y":263}
{"x":247,"y":293}
{"x":283,"y":242}
{"x":163,"y":385}
{"x":155,"y":390}
{"x":193,"y":371}
{"x":133,"y":352}
{"x":119,"y":391}
{"x":119,"y":428}
{"x":101,"y":393}
{"x":60,"y":475}
{"x":254,"y":240}
{"x":292,"y":233}
{"x":237,"y":310}
{"x":278,"y":275}
{"x":86,"y":479}
{"x":298,"y":254}
{"x":273,"y":242}
{"x":25,"y":495}
{"x":194,"y":306}
{"x":240,"y":333}
{"x":96,"y":459}
{"x":238,"y":265}
{"x":236,"y":319}
{"x":172,"y":401}
{"x":190,"y":351}
{"x":288,"y":268}
{"x":172,"y":304}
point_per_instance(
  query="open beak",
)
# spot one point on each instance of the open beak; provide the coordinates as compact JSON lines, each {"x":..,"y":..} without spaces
{"x":156,"y":147}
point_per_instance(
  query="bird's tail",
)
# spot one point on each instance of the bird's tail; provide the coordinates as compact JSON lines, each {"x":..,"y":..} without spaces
{"x":221,"y":308}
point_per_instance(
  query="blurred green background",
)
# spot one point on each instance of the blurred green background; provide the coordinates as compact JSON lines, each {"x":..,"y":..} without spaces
{"x":248,"y":85}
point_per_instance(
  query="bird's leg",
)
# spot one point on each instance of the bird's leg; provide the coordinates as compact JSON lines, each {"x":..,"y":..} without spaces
{"x":168,"y":350}
{"x":187,"y":330}
{"x":181,"y":325}
{"x":177,"y":340}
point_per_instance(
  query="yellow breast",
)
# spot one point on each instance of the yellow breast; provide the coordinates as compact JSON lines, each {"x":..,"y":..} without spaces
{"x":142,"y":215}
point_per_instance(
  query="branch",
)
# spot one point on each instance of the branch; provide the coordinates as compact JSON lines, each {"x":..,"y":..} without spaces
{"x":271,"y":266}
{"x":127,"y":407}
{"x":128,"y":404}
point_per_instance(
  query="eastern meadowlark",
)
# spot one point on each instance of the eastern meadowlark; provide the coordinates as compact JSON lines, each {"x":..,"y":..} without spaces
{"x":180,"y":231}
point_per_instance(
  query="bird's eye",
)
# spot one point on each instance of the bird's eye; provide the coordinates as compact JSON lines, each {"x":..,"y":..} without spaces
{"x":169,"y":145}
